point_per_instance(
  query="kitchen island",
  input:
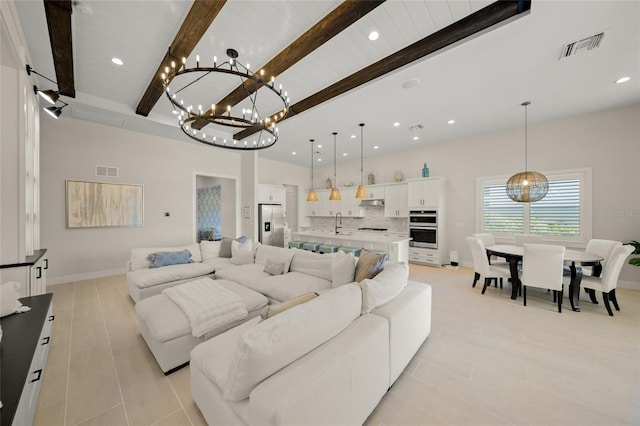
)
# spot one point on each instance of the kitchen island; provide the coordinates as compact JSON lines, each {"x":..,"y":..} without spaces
{"x":396,"y":245}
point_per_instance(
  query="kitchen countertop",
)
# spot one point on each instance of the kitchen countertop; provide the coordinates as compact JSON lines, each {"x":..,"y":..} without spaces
{"x":347,"y":235}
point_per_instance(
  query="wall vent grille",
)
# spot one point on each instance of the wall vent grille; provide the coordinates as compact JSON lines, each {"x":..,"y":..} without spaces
{"x":106,"y":171}
{"x":583,"y":45}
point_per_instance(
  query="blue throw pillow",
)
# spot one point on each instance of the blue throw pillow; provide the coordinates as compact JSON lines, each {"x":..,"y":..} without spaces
{"x":166,"y":258}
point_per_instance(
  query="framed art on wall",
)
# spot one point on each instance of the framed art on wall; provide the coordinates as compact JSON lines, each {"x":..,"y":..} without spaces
{"x":102,"y":204}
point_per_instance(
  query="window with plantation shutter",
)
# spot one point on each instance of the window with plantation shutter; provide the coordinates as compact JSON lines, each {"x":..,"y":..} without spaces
{"x":562,"y":216}
{"x":501,"y":215}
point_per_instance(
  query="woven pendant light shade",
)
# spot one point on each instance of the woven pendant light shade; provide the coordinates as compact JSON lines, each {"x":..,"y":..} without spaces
{"x":527,"y":187}
{"x":335,"y":195}
{"x":361,"y":192}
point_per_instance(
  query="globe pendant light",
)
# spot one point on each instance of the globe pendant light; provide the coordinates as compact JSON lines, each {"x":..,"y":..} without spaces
{"x":361,"y":192}
{"x":335,"y":192}
{"x":527,"y":186}
{"x":312,"y":195}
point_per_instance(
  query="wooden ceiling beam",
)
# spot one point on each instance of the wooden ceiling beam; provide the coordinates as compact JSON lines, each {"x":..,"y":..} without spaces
{"x":58,"y":13}
{"x":331,"y":25}
{"x":495,"y":13}
{"x":198,"y":20}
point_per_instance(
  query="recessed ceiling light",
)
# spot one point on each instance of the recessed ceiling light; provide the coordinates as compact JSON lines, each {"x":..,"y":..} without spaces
{"x":410,"y":84}
{"x":451,"y":121}
{"x":117,"y":61}
{"x":373,"y":35}
{"x":293,"y":153}
{"x":376,"y":147}
{"x":623,"y":80}
{"x":345,"y":154}
{"x":319,"y":159}
{"x":415,"y":138}
{"x":353,"y":136}
{"x":396,"y":124}
{"x":319,"y":146}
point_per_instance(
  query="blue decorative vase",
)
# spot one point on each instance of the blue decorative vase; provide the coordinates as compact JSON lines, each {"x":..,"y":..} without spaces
{"x":425,"y":171}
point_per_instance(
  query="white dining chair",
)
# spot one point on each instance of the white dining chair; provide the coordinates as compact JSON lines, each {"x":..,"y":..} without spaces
{"x":542,"y":267}
{"x":608,"y":282}
{"x":488,"y":240}
{"x":482,"y":267}
{"x":522,"y":239}
{"x":602,"y":248}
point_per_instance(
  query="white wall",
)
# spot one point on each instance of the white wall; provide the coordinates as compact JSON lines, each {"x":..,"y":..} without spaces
{"x":608,"y":142}
{"x":279,"y":173}
{"x":70,"y":149}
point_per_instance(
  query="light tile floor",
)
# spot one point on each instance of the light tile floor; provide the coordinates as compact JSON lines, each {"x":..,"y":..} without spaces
{"x":488,"y":361}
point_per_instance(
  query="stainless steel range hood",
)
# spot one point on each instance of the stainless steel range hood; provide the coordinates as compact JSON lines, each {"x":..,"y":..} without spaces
{"x":372,"y":202}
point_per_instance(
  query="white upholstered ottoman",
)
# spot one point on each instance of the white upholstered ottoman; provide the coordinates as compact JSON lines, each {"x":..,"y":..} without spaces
{"x":166,"y":329}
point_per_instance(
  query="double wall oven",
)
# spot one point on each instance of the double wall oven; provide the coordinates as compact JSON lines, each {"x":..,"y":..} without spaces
{"x":423,"y":228}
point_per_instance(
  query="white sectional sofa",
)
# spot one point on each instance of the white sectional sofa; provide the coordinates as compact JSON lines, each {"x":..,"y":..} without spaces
{"x":321,"y":362}
{"x":327,"y":361}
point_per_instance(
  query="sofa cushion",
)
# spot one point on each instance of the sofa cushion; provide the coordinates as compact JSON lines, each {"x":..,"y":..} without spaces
{"x":369,"y":265}
{"x":166,"y":258}
{"x":343,"y":268}
{"x":139,"y":257}
{"x":143,"y":278}
{"x":218,"y":263}
{"x":272,"y":310}
{"x":265,"y":253}
{"x":210,"y":249}
{"x":385,"y":286}
{"x":287,"y":286}
{"x":316,"y":264}
{"x":248,"y":275}
{"x":273,"y":268}
{"x":282,"y":339}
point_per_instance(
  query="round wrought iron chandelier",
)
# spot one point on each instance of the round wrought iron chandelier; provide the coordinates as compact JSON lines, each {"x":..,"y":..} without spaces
{"x":189,"y":114}
{"x":527,"y":186}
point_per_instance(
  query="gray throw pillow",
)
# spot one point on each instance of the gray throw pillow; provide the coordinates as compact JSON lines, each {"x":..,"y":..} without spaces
{"x":225,"y":246}
{"x":274,"y":268}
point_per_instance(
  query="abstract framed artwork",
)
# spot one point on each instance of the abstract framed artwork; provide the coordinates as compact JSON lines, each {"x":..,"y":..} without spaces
{"x":102,"y":204}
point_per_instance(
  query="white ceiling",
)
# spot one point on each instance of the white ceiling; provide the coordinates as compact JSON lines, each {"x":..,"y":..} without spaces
{"x":479,"y":83}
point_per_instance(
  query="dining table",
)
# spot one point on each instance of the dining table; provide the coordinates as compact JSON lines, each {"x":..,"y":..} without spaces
{"x":574,"y":259}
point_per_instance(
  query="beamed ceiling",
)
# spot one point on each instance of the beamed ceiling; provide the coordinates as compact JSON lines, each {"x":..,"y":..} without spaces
{"x":465,"y":60}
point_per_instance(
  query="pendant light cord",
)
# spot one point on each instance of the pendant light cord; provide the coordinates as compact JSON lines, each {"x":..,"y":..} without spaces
{"x":335,"y":184}
{"x":526,"y":127}
{"x":311,"y":140}
{"x":361,"y":153}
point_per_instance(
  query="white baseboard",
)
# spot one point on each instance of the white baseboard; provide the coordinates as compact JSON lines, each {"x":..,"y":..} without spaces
{"x":85,"y":276}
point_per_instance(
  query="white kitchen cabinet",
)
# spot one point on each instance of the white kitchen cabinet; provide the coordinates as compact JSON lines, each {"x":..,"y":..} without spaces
{"x":31,"y":274}
{"x":351,"y":204}
{"x":425,"y":256}
{"x":426,"y":193}
{"x":375,"y":191}
{"x":316,"y":208}
{"x":332,"y":207}
{"x":396,"y":201}
{"x":271,"y":194}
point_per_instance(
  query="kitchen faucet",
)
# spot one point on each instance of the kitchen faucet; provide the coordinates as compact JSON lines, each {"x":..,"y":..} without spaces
{"x":338,"y":227}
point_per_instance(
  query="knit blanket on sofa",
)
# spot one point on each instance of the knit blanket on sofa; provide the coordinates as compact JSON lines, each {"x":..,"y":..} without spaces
{"x":207,"y":304}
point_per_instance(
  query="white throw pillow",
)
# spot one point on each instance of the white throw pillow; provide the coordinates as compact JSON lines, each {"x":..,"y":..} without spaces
{"x":343,"y":268}
{"x":210,"y":249}
{"x":9,"y":303}
{"x":280,"y":340}
{"x":241,"y":253}
{"x":265,"y":253}
{"x":385,"y":286}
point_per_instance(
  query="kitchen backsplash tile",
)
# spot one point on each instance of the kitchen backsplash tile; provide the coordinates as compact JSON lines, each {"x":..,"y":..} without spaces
{"x":374,"y":219}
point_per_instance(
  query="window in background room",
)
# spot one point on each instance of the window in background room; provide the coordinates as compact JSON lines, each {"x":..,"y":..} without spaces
{"x":563,"y":215}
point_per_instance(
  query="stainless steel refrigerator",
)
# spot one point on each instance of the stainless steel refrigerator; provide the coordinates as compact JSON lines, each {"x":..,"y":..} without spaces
{"x":271,"y":224}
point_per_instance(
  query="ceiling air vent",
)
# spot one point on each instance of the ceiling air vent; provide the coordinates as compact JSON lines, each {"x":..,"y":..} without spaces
{"x":416,"y":127}
{"x":583,"y":45}
{"x":106,"y":171}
